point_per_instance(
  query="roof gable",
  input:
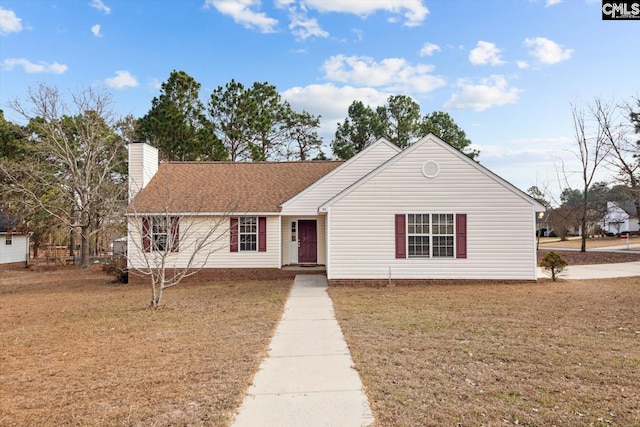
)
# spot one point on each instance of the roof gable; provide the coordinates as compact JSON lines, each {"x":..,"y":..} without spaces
{"x":628,"y":207}
{"x":360,"y":159}
{"x":432,"y":139}
{"x":8,"y":223}
{"x":225,"y":187}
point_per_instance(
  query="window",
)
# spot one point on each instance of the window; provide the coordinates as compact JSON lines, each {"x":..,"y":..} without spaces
{"x":160,"y":233}
{"x":293,"y":232}
{"x":8,"y":240}
{"x":248,"y":233}
{"x":442,"y":232}
{"x":430,"y":235}
{"x":418,"y":233}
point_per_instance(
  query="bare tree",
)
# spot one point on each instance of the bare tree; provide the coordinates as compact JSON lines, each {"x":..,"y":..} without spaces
{"x":592,"y":151}
{"x":618,"y":123}
{"x":166,"y":247}
{"x":73,"y":172}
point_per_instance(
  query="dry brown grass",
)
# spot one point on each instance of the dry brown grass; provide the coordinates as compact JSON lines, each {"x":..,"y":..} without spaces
{"x":576,"y":242}
{"x":564,"y":353}
{"x":77,"y":350}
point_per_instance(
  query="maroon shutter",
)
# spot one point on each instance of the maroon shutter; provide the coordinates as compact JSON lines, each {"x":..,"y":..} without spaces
{"x":233,"y":232}
{"x":175,"y":234}
{"x":262,"y":234}
{"x":146,"y":234}
{"x":461,"y":235}
{"x":401,"y":238}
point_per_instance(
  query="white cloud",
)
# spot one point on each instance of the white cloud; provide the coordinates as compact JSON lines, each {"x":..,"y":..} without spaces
{"x":547,"y":51}
{"x":522,"y":64}
{"x":429,"y":49}
{"x":392,"y":74}
{"x":242,"y":12}
{"x":485,"y":53}
{"x":489,"y":92}
{"x":122,"y":79}
{"x":331,"y":102}
{"x":9,"y":22}
{"x":304,"y":27}
{"x":31,"y":68}
{"x":96,"y":30}
{"x":414,"y":11}
{"x":97,"y":4}
{"x":552,"y":2}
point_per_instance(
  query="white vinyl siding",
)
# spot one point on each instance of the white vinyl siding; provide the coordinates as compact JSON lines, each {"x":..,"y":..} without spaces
{"x":16,"y":251}
{"x":500,"y":222}
{"x":308,"y":201}
{"x":143,"y":165}
{"x":191,"y":228}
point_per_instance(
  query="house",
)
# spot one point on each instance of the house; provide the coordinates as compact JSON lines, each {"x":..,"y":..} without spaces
{"x":14,"y":244}
{"x":621,"y":217}
{"x":428,"y":212}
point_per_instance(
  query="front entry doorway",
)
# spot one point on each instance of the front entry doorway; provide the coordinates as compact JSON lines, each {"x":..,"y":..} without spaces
{"x":307,"y":241}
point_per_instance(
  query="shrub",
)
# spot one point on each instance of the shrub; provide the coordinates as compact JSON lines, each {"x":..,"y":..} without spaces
{"x":117,"y":268}
{"x":553,"y":263}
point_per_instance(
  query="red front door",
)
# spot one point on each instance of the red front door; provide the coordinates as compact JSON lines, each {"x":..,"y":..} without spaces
{"x":307,"y":242}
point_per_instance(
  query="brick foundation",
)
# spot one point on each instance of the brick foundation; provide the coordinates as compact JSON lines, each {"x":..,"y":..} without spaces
{"x":379,"y":283}
{"x":213,"y":274}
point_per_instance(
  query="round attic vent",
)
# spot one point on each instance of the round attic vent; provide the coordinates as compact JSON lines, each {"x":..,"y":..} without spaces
{"x":430,"y":169}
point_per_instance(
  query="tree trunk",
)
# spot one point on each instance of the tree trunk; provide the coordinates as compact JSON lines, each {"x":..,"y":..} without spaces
{"x":37,"y":241}
{"x":72,"y":242}
{"x":583,"y":218}
{"x":156,"y":290}
{"x":84,"y":247}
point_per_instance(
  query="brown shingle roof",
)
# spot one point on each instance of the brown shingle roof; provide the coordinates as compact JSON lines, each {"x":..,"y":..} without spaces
{"x":226,"y":186}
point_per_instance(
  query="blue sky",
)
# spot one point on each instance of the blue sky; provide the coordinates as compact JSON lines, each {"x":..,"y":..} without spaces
{"x":506,"y":70}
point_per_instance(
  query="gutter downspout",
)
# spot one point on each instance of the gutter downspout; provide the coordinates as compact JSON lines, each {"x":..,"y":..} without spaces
{"x":328,"y":242}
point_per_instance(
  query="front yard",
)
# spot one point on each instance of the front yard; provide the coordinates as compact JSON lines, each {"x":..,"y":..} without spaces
{"x":80,"y":350}
{"x":564,"y":353}
{"x":77,"y":350}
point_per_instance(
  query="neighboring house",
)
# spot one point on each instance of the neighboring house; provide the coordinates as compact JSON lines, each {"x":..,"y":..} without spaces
{"x":621,"y":217}
{"x":428,"y":212}
{"x":14,"y":244}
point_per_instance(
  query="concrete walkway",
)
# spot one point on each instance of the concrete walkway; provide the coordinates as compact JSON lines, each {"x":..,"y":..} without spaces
{"x":308,"y":378}
{"x":596,"y":271}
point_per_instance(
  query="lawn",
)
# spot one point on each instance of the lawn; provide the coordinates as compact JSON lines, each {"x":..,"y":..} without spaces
{"x":78,"y":350}
{"x":594,"y":243}
{"x":563,"y":353}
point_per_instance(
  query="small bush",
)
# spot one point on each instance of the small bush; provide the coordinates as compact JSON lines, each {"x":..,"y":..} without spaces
{"x":117,"y":268}
{"x":553,"y":263}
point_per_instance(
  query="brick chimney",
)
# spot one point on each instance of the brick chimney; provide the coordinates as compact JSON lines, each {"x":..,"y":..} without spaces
{"x":143,"y":165}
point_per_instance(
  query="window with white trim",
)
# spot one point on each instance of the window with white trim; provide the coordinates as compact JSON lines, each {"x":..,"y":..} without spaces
{"x":160,"y":233}
{"x":8,"y":240}
{"x":248,"y":234}
{"x":430,"y":235}
{"x":443,"y":235}
{"x":418,"y":235}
